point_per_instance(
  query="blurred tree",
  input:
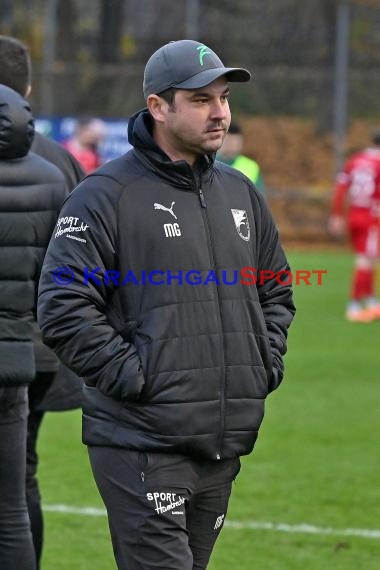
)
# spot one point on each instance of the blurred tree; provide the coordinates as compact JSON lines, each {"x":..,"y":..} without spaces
{"x":325,"y":106}
{"x":289,"y":45}
{"x":66,"y":43}
{"x":6,"y":12}
{"x":110,"y":30}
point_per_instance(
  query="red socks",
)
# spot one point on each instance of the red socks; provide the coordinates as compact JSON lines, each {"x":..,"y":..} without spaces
{"x":363,"y":283}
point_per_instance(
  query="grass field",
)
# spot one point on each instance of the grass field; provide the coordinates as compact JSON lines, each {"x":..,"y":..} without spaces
{"x":317,"y":461}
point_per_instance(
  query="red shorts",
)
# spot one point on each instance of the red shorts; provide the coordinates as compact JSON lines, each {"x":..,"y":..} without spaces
{"x":363,"y":228}
{"x":365,"y":239}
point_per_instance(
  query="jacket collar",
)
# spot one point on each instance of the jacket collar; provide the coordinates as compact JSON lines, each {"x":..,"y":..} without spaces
{"x":178,"y":173}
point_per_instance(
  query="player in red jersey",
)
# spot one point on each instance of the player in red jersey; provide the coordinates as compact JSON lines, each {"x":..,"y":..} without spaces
{"x":358,"y":185}
{"x":84,"y":145}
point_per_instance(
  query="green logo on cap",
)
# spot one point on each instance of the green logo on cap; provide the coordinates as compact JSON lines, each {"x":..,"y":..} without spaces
{"x":203,"y":50}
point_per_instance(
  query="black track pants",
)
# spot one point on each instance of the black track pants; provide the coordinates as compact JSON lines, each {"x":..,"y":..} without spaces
{"x":16,"y":545}
{"x":165,"y":511}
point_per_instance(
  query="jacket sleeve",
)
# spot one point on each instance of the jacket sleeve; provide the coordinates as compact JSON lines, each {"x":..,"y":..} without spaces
{"x":73,"y":296}
{"x":276,"y":298}
{"x":55,"y":195}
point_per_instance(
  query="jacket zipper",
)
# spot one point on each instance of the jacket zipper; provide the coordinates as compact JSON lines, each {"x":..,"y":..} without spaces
{"x":202,"y":198}
{"x":223,"y":382}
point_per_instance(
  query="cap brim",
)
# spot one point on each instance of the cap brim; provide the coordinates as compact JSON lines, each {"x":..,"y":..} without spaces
{"x":203,"y":78}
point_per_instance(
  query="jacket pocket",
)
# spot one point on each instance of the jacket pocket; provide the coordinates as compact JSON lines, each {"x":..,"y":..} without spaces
{"x":143,"y":351}
{"x":132,"y":380}
{"x":128,"y":331}
{"x":266,"y":354}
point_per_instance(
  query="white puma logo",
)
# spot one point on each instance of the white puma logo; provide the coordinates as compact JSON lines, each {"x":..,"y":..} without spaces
{"x":170,"y":210}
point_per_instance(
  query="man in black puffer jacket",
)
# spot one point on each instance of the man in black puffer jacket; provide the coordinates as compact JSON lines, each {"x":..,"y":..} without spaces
{"x":55,"y":387}
{"x":148,"y":291}
{"x":32,"y":191}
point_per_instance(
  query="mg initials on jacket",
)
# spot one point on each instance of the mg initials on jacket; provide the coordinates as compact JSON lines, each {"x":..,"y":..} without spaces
{"x":172,"y":230}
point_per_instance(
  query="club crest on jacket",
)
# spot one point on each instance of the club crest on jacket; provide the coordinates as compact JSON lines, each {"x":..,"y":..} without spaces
{"x":241,"y":223}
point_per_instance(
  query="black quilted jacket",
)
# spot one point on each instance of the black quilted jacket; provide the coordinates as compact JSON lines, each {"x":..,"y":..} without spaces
{"x":31,"y":193}
{"x":169,"y":365}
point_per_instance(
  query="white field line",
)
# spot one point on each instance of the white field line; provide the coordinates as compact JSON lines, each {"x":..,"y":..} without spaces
{"x":238,"y":525}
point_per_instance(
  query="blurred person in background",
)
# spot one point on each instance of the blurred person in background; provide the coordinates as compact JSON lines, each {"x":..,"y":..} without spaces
{"x":231,"y":153}
{"x":16,"y":72}
{"x":32,"y":191}
{"x":55,"y":387}
{"x":84,"y":145}
{"x":358,"y":187}
{"x":175,"y":376}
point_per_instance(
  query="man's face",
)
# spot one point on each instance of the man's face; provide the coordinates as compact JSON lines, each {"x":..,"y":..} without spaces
{"x":92,"y":134}
{"x":197,"y":122}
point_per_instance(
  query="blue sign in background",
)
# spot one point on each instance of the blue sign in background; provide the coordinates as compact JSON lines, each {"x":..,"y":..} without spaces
{"x":62,"y":128}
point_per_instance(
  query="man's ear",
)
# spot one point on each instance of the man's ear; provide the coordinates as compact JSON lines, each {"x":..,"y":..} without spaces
{"x":28,"y":91}
{"x":158,"y":107}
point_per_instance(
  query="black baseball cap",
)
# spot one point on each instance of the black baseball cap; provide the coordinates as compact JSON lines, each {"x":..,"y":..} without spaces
{"x":186,"y":64}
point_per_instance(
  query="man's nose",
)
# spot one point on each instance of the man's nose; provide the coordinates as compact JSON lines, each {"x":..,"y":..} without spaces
{"x":219,"y":109}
